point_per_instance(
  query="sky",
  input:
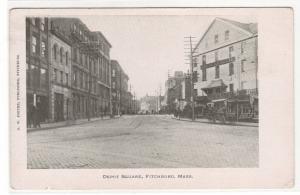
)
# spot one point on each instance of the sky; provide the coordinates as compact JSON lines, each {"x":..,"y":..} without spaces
{"x":147,"y":47}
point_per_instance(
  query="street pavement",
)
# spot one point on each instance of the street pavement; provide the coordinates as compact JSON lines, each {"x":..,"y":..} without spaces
{"x":143,"y":141}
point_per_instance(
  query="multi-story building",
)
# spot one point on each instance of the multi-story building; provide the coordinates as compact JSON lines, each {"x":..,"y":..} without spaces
{"x":60,"y":104}
{"x":90,"y":78}
{"x":37,"y":67}
{"x":124,"y":93}
{"x":173,"y":90}
{"x":225,"y":59}
{"x":116,"y":76}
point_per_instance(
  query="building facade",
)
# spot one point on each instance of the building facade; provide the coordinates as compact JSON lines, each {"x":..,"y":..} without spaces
{"x":60,"y":96}
{"x":225,"y":61}
{"x":37,"y":68}
{"x":90,"y":62}
{"x":116,"y":75}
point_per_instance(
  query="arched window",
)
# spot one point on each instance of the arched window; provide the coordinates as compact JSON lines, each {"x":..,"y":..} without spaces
{"x":55,"y":51}
{"x":61,"y":51}
{"x":67,"y":58}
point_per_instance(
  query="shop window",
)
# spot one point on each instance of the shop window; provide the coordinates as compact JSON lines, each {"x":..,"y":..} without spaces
{"x":34,"y":76}
{"x":43,"y":78}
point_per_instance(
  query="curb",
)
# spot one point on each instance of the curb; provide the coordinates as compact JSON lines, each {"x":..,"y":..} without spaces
{"x":68,"y":125}
{"x":229,"y":124}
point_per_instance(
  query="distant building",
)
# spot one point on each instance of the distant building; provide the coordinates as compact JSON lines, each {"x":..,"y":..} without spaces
{"x":149,"y":104}
{"x":226,"y":62}
{"x":173,"y":91}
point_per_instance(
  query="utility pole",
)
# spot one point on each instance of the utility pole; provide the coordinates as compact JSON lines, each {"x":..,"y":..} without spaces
{"x":190,"y":55}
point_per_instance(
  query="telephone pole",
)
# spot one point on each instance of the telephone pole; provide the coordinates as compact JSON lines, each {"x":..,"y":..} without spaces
{"x":189,"y":42}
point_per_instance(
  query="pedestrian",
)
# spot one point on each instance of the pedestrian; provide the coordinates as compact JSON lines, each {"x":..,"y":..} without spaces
{"x":38,"y":114}
{"x":30,"y":115}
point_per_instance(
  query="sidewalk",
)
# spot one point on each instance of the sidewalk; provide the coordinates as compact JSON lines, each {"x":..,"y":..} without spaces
{"x":54,"y":125}
{"x":232,"y":123}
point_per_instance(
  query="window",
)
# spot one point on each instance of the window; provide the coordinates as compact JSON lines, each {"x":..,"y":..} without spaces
{"x":195,"y":62}
{"x":61,"y":54}
{"x":34,"y":44}
{"x":33,"y":21}
{"x":217,"y":72}
{"x":230,"y":52}
{"x":42,"y":24}
{"x":67,"y":79}
{"x":113,"y":73}
{"x":203,"y":59}
{"x":61,"y":77}
{"x":231,"y":69}
{"x":55,"y":75}
{"x":67,"y":58}
{"x":226,"y":34}
{"x":216,"y":56}
{"x":74,"y":28}
{"x":231,"y":87}
{"x":43,"y":49}
{"x":43,"y":78}
{"x":55,"y":51}
{"x":243,"y":65}
{"x":216,"y":38}
{"x":204,"y":74}
{"x":34,"y":76}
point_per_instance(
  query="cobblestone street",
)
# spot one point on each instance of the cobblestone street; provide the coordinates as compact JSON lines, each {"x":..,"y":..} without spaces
{"x":143,"y":141}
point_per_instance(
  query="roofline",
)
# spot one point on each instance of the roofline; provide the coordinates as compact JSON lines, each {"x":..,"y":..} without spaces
{"x":101,"y":34}
{"x":217,"y":18}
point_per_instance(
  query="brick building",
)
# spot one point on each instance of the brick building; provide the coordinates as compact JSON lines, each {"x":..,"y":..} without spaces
{"x":90,"y":60}
{"x":37,"y":67}
{"x":60,"y":104}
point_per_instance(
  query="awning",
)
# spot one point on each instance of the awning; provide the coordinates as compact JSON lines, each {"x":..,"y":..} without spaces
{"x":215,"y":84}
